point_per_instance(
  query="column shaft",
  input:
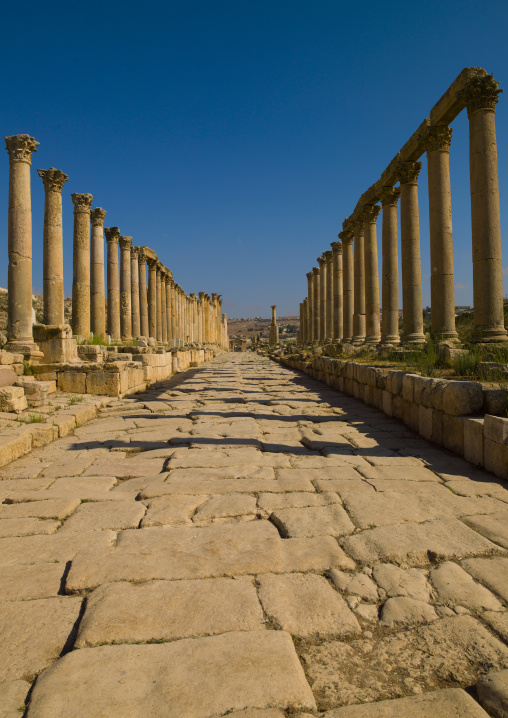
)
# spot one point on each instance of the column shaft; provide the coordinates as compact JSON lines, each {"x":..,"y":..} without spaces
{"x":112,"y":238}
{"x":143,"y":296}
{"x":135,"y":305}
{"x":348,"y":284}
{"x":359,"y":284}
{"x":164,"y":309}
{"x":329,"y":296}
{"x":390,"y":269}
{"x":152,"y":298}
{"x":316,"y":321}
{"x":310,"y":307}
{"x":338,"y":324}
{"x":97,"y":287}
{"x":169,"y":334}
{"x":125,"y":289}
{"x":372,"y":313}
{"x":322,"y":298}
{"x":159,"y":305}
{"x":81,"y":265}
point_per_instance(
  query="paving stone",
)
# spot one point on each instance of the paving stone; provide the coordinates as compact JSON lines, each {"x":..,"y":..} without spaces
{"x":13,"y":698}
{"x":256,"y":713}
{"x":100,"y":515}
{"x":48,"y":509}
{"x":342,"y":486}
{"x":167,"y":610}
{"x":59,"y":547}
{"x":225,"y":506}
{"x":469,"y":487}
{"x":27,"y":527}
{"x":342,"y":473}
{"x":436,"y":704}
{"x":295,"y":499}
{"x":195,"y":678}
{"x":172,"y":510}
{"x":416,"y":473}
{"x":329,"y":520}
{"x":126,"y":469}
{"x":33,"y":634}
{"x":449,"y":651}
{"x":493,"y":527}
{"x":305,"y":605}
{"x":395,"y":581}
{"x":224,"y":486}
{"x":21,"y":583}
{"x":440,"y":539}
{"x":492,"y":572}
{"x":224,"y":472}
{"x":493,"y":693}
{"x":455,"y":587}
{"x":498,"y":621}
{"x":357,"y":584}
{"x":402,"y":611}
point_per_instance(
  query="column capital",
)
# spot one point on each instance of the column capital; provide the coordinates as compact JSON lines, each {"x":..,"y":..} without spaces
{"x":408,"y":172}
{"x":321,"y":261}
{"x":112,"y":234}
{"x":389,"y":196}
{"x":309,"y":275}
{"x":316,"y":271}
{"x":481,"y":93}
{"x":201,"y":295}
{"x":97,"y":216}
{"x":336,"y":247}
{"x":328,"y":255}
{"x":370,"y":213}
{"x":152,"y":262}
{"x":358,"y":226}
{"x":216,"y":297}
{"x":141,"y":255}
{"x":53,"y":179}
{"x":82,"y":202}
{"x":125,"y":242}
{"x":192,"y":296}
{"x":135,"y":252}
{"x":438,"y":138}
{"x":346,"y":236}
{"x":20,"y":148}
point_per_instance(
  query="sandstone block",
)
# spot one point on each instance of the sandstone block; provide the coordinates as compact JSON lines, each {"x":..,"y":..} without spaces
{"x":495,"y":458}
{"x":395,"y":581}
{"x":455,"y":587}
{"x":496,"y":429}
{"x":49,"y":509}
{"x":26,"y":550}
{"x":473,"y":440}
{"x":13,"y":445}
{"x":492,"y":572}
{"x":23,"y":583}
{"x":13,"y":698}
{"x":358,"y":584}
{"x":7,"y":376}
{"x":73,"y":382}
{"x":225,"y":506}
{"x":453,"y":433}
{"x":295,"y":499}
{"x":329,"y":520}
{"x":100,"y":515}
{"x":402,"y":611}
{"x":494,"y":526}
{"x":172,"y":510}
{"x":27,"y":527}
{"x":462,"y":397}
{"x":493,"y":693}
{"x":12,"y":399}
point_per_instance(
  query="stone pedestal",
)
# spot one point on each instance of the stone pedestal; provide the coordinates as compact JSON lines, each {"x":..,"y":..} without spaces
{"x":112,"y":239}
{"x":348,"y":284}
{"x":390,"y":269}
{"x":337,"y":292}
{"x":53,"y":280}
{"x":81,"y":265}
{"x":143,"y":295}
{"x":372,"y":313}
{"x":310,"y":307}
{"x":125,"y":289}
{"x":359,"y":284}
{"x":56,"y":343}
{"x":97,"y":289}
{"x":136,"y":324}
{"x":316,"y":305}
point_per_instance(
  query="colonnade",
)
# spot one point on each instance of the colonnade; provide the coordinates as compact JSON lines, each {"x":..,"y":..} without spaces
{"x":158,"y":309}
{"x":343,"y":299}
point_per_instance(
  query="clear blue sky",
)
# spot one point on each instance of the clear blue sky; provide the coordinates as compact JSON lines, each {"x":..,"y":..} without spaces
{"x":234,"y":136}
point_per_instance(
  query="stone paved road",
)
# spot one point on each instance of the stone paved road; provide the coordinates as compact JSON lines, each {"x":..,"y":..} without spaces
{"x":245,"y":541}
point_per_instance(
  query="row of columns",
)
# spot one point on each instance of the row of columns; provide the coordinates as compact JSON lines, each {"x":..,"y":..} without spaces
{"x":343,"y":293}
{"x":160,"y":309}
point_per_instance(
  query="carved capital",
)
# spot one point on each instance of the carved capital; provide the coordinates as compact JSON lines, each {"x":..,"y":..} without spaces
{"x":141,"y":256}
{"x":358,"y":227}
{"x":408,"y":172}
{"x":389,"y":196}
{"x":152,"y":263}
{"x":336,"y":247}
{"x":20,"y":148}
{"x":201,"y":295}
{"x":321,"y":261}
{"x":438,"y":138}
{"x":309,"y":275}
{"x":328,"y":255}
{"x":346,"y":237}
{"x":82,"y":202}
{"x":125,"y":242}
{"x":135,"y":252}
{"x":481,"y":94}
{"x":53,"y":179}
{"x":112,"y":234}
{"x":370,"y":213}
{"x":97,"y":216}
{"x":315,"y":271}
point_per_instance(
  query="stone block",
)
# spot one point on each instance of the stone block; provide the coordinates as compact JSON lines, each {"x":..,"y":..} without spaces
{"x":83,"y":413}
{"x":12,"y":399}
{"x":495,"y":401}
{"x":437,"y":426}
{"x":495,"y":458}
{"x":461,"y":398}
{"x":420,"y":383}
{"x":496,"y":429}
{"x":408,"y":386}
{"x":493,"y":693}
{"x":473,"y":440}
{"x":73,"y":382}
{"x":7,"y":376}
{"x":386,"y":399}
{"x":398,"y":407}
{"x":65,"y":422}
{"x":453,"y":433}
{"x":437,"y":393}
{"x":425,"y":422}
{"x":14,"y":444}
{"x":6,"y":357}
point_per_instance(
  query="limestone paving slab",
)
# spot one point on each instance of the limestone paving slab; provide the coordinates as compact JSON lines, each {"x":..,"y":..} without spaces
{"x":329,"y":520}
{"x":225,"y":506}
{"x":21,"y":583}
{"x":295,"y":499}
{"x":48,"y":509}
{"x":492,"y":572}
{"x":455,"y":587}
{"x":195,"y":678}
{"x":493,"y":527}
{"x":173,"y":510}
{"x":13,"y":698}
{"x":100,"y":515}
{"x":224,"y":486}
{"x":59,"y":547}
{"x":27,"y":527}
{"x":498,"y":621}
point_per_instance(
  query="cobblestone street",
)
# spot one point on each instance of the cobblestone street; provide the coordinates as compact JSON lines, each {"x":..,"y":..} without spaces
{"x":242,"y":540}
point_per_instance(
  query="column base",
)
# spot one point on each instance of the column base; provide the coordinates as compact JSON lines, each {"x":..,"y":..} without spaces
{"x":357,"y":341}
{"x":56,"y":342}
{"x":372,"y":340}
{"x":389,"y":340}
{"x":450,"y":336}
{"x":30,"y":350}
{"x":489,"y":335}
{"x":415,"y":338}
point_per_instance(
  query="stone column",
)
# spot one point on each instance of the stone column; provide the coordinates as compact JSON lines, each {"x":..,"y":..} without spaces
{"x":112,"y":238}
{"x":338,"y":326}
{"x":152,"y":298}
{"x":348,"y":283}
{"x":328,"y":256}
{"x":159,"y":303}
{"x":135,"y":306}
{"x":481,"y":99}
{"x":143,"y":295}
{"x":81,"y":265}
{"x":178,"y":313}
{"x":372,"y":314}
{"x":174,"y":304}
{"x":359,"y":284}
{"x":226,"y":339}
{"x":19,"y":311}
{"x":201,"y":323}
{"x":390,"y":269}
{"x":322,"y":297}
{"x":316,"y":321}
{"x":412,"y":310}
{"x":53,"y":279}
{"x":125,"y":289}
{"x":442,"y":294}
{"x":164,"y":308}
{"x":169,"y":282}
{"x":310,"y":307}
{"x":97,"y":287}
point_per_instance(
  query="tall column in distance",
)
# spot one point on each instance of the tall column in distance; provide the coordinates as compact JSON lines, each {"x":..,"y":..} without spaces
{"x":125,"y":289}
{"x":412,"y":310}
{"x":97,"y":288}
{"x":143,"y":295}
{"x":169,"y":282}
{"x":112,"y":238}
{"x":481,"y":99}
{"x":322,"y":297}
{"x":390,"y":269}
{"x":174,"y":309}
{"x":159,"y":303}
{"x":310,"y":307}
{"x":53,"y":279}
{"x":442,"y":291}
{"x":152,"y":298}
{"x":348,"y":283}
{"x":359,"y":284}
{"x":337,"y":291}
{"x":164,"y":308}
{"x":19,"y":308}
{"x":81,"y":265}
{"x":274,"y":329}
{"x":372,"y":313}
{"x":316,"y":322}
{"x":329,"y":295}
{"x":136,"y":325}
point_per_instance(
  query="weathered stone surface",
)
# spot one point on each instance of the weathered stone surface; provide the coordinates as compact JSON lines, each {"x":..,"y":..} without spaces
{"x":196,"y":678}
{"x":441,"y":539}
{"x":100,"y":515}
{"x":49,"y":509}
{"x":166,"y":610}
{"x":395,"y":581}
{"x":402,"y":611}
{"x":33,"y":634}
{"x":22,"y":583}
{"x":305,"y":605}
{"x":223,"y":486}
{"x":295,"y":499}
{"x":492,"y":572}
{"x":493,"y":693}
{"x":357,"y":584}
{"x":329,"y":520}
{"x":493,"y":527}
{"x":27,"y":527}
{"x":448,"y":651}
{"x":58,"y":547}
{"x":462,"y":397}
{"x":173,"y":510}
{"x":498,"y":622}
{"x":455,"y":587}
{"x":226,"y":506}
{"x":13,"y":698}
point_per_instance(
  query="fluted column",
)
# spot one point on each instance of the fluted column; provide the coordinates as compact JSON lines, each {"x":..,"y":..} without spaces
{"x":178,"y":312}
{"x":201,"y":323}
{"x":348,"y":283}
{"x":328,"y":291}
{"x":152,"y":298}
{"x":81,"y":265}
{"x":125,"y":289}
{"x":112,"y":238}
{"x":174,"y":304}
{"x":390,"y":269}
{"x":135,"y":307}
{"x":164,"y":326}
{"x":316,"y":322}
{"x":359,"y":284}
{"x":159,"y":303}
{"x":97,"y":286}
{"x":337,"y":291}
{"x":169,"y":281}
{"x":412,"y":310}
{"x":322,"y":297}
{"x":372,"y":313}
{"x":481,"y":99}
{"x":143,"y":295}
{"x":19,"y":308}
{"x":53,"y":279}
{"x":310,"y":307}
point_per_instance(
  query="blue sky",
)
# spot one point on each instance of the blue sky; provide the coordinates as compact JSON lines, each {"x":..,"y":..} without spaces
{"x":234,"y":136}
